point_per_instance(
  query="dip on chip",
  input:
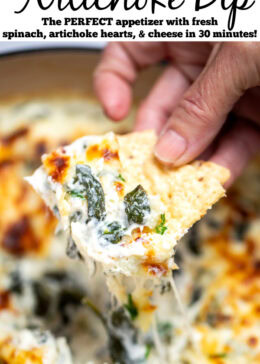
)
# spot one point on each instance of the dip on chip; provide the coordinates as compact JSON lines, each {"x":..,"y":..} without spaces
{"x":123,"y":209}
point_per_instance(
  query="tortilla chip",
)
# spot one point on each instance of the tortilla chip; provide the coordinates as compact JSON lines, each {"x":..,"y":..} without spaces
{"x":187,"y":191}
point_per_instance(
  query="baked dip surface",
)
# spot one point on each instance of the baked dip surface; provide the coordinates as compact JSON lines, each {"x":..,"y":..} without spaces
{"x":52,"y":310}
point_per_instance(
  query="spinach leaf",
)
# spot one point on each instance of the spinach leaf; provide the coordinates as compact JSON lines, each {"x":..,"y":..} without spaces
{"x":42,"y":297}
{"x":69,"y":300}
{"x":57,"y":297}
{"x":56,"y":211}
{"x":121,"y":327}
{"x":71,"y":250}
{"x":118,"y":326}
{"x":131,"y":308}
{"x":195,"y":295}
{"x":136,"y":205}
{"x":161,"y":227}
{"x":113,"y":232}
{"x":17,"y":285}
{"x":91,"y":188}
{"x":165,"y":330}
{"x":240,"y":230}
{"x":76,"y":216}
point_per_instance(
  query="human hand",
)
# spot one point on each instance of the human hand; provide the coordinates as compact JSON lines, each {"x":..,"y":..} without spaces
{"x":190,"y":103}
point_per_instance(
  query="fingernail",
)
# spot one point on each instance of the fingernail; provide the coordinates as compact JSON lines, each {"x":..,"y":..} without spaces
{"x":170,"y":147}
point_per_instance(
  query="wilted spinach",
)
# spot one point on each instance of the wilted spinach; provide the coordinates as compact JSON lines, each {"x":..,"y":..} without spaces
{"x":119,"y":327}
{"x":69,"y":298}
{"x":193,"y":240}
{"x":75,"y":216}
{"x":42,"y":297}
{"x":240,"y":230}
{"x":137,"y":205}
{"x":91,"y":189}
{"x":113,"y":232}
{"x":71,"y":250}
{"x":16,"y":285}
{"x":196,"y":295}
{"x":57,"y":297}
{"x":165,"y":330}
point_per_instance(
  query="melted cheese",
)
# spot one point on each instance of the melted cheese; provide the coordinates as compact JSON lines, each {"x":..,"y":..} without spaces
{"x":141,"y":250}
{"x":215,"y":261}
{"x":24,"y":347}
{"x":127,"y":256}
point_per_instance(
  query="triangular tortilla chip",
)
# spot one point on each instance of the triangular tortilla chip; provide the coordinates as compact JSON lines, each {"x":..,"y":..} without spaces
{"x":187,"y":191}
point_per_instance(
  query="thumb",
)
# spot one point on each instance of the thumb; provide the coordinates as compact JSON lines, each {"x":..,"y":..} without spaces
{"x":232,"y":68}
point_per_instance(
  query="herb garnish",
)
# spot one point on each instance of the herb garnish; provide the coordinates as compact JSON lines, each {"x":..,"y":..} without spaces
{"x":131,"y":308}
{"x":218,"y":355}
{"x":121,"y":178}
{"x":76,"y":194}
{"x":136,"y":205}
{"x":161,"y":228}
{"x":148,"y":350}
{"x":92,"y":189}
{"x":113,"y":232}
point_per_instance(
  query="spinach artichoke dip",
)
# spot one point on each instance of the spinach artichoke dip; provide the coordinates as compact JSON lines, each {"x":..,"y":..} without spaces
{"x":123,"y":215}
{"x":113,"y":208}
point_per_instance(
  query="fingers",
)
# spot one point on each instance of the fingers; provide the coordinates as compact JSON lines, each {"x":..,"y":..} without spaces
{"x":161,"y":101}
{"x":204,"y":107}
{"x":117,"y":72}
{"x":237,"y":147}
{"x":112,"y":80}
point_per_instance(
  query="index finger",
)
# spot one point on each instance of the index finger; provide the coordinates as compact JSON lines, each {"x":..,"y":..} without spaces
{"x":118,"y":70}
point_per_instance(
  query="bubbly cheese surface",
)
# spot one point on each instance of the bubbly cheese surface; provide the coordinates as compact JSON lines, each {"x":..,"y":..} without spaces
{"x":218,"y":279}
